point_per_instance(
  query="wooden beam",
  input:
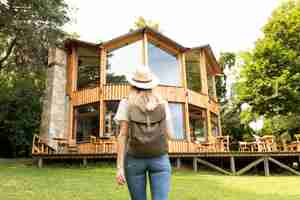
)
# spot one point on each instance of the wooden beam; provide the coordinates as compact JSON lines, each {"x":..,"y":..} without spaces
{"x":84,"y":162}
{"x":215,"y":167}
{"x":195,"y":164}
{"x":122,"y":41}
{"x":203,"y":72}
{"x":178,"y":163}
{"x":266,"y":166}
{"x":209,"y":133}
{"x":103,"y":54}
{"x":71,"y":122}
{"x":284,"y":166}
{"x":40,"y":162}
{"x":248,"y":167}
{"x":161,"y":44}
{"x":101,"y":117}
{"x":74,"y":68}
{"x":103,"y":57}
{"x":181,"y":58}
{"x":145,"y":55}
{"x":232,"y":165}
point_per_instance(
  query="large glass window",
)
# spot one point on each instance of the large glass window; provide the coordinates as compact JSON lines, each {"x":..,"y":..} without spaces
{"x":210,"y":83}
{"x":86,"y":121}
{"x":198,"y":123}
{"x":177,"y":120}
{"x":214,"y":120}
{"x":88,"y":68}
{"x":123,"y":61}
{"x":111,"y":128}
{"x":164,"y":65}
{"x":193,"y":74}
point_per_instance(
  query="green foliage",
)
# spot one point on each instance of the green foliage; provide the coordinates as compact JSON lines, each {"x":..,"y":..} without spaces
{"x":20,"y":109}
{"x":28,"y":28}
{"x":271,"y":75}
{"x":227,"y":61}
{"x":232,"y":120}
{"x":141,"y":22}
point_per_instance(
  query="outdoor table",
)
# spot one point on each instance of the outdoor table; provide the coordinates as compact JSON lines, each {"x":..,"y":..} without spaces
{"x":61,"y":143}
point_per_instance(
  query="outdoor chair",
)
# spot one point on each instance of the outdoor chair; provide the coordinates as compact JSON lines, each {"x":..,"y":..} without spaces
{"x":244,"y":146}
{"x":270,"y":143}
{"x":261,"y":145}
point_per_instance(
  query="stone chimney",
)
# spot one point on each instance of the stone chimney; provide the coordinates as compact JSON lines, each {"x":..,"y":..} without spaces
{"x":55,"y":105}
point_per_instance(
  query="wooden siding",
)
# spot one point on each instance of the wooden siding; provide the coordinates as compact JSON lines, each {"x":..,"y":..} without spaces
{"x":197,"y":99}
{"x":115,"y":92}
{"x":85,"y":96}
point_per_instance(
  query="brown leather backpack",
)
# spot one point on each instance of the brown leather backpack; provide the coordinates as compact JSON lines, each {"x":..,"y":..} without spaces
{"x":147,"y":132}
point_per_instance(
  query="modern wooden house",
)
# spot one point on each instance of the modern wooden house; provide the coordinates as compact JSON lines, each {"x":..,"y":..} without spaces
{"x":86,"y":81}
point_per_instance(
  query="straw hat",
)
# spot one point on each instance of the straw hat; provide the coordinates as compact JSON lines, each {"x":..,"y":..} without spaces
{"x":143,"y":78}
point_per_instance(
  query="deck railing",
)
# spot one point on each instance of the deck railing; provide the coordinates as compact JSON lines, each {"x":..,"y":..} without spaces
{"x":109,"y":146}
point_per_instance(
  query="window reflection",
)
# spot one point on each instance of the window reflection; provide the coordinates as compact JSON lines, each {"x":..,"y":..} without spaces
{"x":210,"y":82}
{"x":214,"y":124}
{"x":193,"y":74}
{"x":111,"y":128}
{"x":88,"y":68}
{"x":176,"y":110}
{"x":164,"y":65}
{"x":198,"y":123}
{"x":86,"y":121}
{"x":123,"y":61}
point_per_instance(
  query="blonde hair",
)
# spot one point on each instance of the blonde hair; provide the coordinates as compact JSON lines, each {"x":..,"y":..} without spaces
{"x":146,"y":100}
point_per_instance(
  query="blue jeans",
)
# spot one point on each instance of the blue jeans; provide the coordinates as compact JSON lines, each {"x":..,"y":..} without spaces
{"x":159,"y":172}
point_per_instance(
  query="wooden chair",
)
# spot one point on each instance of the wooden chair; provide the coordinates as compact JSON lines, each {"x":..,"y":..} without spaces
{"x":295,"y":145}
{"x":226,"y":143}
{"x":297,"y":136}
{"x":244,"y":146}
{"x":261,"y":145}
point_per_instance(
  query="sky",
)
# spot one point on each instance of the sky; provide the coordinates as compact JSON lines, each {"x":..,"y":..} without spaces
{"x":227,"y":25}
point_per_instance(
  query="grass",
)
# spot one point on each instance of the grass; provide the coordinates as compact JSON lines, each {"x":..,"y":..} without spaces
{"x":21,"y":180}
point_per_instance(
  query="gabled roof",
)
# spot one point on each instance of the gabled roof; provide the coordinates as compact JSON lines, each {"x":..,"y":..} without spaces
{"x":138,"y":34}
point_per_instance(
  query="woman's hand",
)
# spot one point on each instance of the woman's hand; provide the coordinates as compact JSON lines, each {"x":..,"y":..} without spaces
{"x":120,"y":177}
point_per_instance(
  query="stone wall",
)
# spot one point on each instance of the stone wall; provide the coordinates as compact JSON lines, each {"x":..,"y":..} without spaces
{"x":55,"y":106}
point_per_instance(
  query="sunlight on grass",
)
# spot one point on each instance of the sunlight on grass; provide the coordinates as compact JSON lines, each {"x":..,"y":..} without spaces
{"x":57,"y":181}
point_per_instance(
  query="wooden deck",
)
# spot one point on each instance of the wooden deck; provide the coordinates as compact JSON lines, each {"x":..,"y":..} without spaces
{"x":237,"y":162}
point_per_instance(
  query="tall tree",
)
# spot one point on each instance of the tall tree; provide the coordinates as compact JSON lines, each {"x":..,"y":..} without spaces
{"x":227,"y":61}
{"x":28,"y":28}
{"x":271,"y":75}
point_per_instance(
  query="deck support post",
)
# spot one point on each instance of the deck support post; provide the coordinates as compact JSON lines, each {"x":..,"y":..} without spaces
{"x":40,"y":162}
{"x":84,"y":161}
{"x":266,"y":166}
{"x":178,"y":163}
{"x":195,"y":164}
{"x":232,"y":165}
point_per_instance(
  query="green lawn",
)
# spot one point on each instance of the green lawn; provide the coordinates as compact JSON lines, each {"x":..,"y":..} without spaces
{"x":21,"y":180}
